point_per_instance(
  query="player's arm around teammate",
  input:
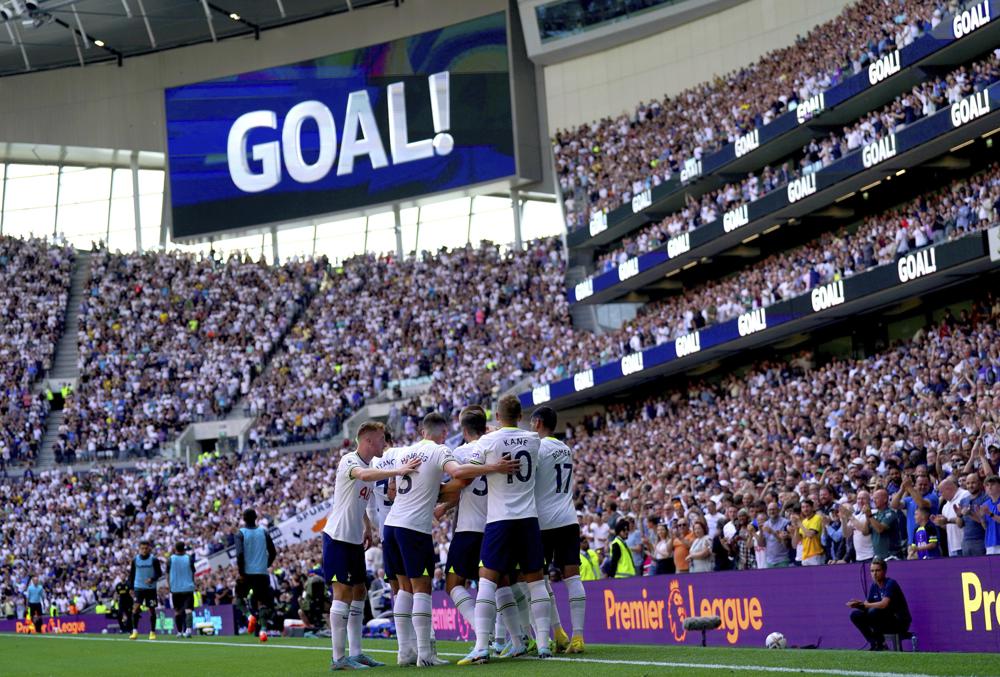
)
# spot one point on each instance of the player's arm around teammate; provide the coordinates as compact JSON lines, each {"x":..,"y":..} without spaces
{"x":408,"y":541}
{"x":371,"y":538}
{"x":347,"y":530}
{"x":373,"y":475}
{"x":512,"y":539}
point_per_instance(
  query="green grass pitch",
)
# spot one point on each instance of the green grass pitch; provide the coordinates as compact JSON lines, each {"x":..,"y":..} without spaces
{"x":60,"y":656}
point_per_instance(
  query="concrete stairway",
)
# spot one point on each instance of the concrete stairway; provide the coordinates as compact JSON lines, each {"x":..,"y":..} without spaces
{"x":64,"y":362}
{"x":64,"y":366}
{"x":46,"y":457}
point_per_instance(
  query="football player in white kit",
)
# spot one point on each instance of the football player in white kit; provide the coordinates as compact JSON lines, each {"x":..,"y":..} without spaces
{"x":378,"y":511}
{"x":378,"y":508}
{"x":347,"y":533}
{"x":512,"y":540}
{"x":467,"y":540}
{"x":560,"y":527}
{"x":408,"y":544}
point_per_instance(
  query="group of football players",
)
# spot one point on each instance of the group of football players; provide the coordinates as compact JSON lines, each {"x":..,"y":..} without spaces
{"x":513,"y":492}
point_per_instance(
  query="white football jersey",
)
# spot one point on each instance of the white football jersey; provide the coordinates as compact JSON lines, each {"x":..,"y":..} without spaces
{"x":511,"y":497}
{"x":350,"y":499}
{"x":554,"y":485}
{"x":381,"y":500}
{"x":417,"y":493}
{"x":472,"y":500}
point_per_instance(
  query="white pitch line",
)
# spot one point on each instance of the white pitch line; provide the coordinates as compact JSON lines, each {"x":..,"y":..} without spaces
{"x":600,"y":661}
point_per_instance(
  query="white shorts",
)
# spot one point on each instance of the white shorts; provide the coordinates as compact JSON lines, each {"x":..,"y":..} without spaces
{"x":993,"y":550}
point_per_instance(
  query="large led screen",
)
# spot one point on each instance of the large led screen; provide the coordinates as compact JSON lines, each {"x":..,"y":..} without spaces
{"x":424,"y":114}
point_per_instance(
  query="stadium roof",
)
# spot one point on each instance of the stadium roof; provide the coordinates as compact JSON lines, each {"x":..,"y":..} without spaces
{"x":45,"y":34}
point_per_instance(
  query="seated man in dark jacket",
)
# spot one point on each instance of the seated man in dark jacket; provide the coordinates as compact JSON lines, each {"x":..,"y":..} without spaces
{"x":885,"y":610}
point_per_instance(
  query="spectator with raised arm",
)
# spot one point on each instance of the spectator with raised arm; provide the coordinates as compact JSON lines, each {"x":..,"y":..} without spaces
{"x":913,"y":494}
{"x":856,"y":527}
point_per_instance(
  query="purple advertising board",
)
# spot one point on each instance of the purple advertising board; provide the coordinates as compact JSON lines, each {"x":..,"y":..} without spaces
{"x":955,"y":604}
{"x":219,"y":617}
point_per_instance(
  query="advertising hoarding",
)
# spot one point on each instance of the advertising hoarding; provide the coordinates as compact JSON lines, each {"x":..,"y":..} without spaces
{"x":220,"y":618}
{"x":952,"y":602}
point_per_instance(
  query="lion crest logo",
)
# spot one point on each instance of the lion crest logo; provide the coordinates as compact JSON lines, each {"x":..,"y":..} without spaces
{"x":675,"y":611}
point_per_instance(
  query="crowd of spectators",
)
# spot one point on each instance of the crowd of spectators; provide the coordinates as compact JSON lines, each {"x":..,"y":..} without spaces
{"x":739,"y":465}
{"x":166,"y":339}
{"x":790,"y":463}
{"x":156,"y":356}
{"x":471,"y":319}
{"x":79,"y":532}
{"x":601,"y":165}
{"x":964,"y":206}
{"x":35,"y":277}
{"x":749,"y":459}
{"x":922,"y":100}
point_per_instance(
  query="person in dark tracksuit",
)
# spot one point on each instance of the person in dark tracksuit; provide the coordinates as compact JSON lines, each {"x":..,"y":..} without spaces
{"x":124,"y":611}
{"x":255,"y":553}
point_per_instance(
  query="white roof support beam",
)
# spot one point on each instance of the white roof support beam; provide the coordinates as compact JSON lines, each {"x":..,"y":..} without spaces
{"x":208,"y":19}
{"x":79,"y":26}
{"x":149,"y":28}
{"x":15,"y":37}
{"x":76,"y":45}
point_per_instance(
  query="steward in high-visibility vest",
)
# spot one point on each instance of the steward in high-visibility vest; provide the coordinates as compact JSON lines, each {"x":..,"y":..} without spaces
{"x":590,"y":565}
{"x":621,"y":565}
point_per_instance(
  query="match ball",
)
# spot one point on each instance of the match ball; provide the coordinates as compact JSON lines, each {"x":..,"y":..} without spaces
{"x":775,"y":640}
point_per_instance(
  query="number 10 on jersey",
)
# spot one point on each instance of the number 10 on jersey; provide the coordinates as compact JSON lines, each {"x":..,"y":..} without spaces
{"x":523,"y":473}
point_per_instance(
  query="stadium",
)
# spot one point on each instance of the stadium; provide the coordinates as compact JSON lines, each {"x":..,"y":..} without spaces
{"x":515,"y":337}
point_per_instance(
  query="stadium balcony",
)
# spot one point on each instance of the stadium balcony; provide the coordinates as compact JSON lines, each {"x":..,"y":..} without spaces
{"x":923,"y":142}
{"x":817,"y":285}
{"x":755,"y":144}
{"x":733,"y":203}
